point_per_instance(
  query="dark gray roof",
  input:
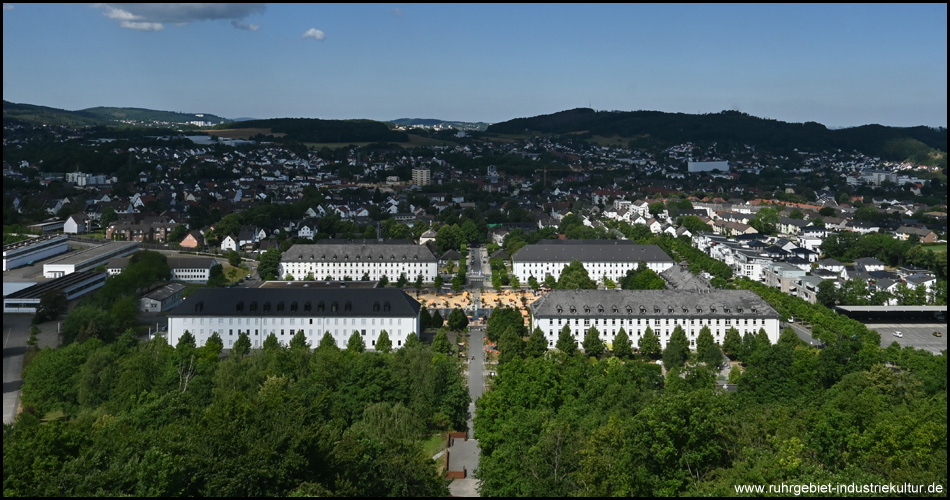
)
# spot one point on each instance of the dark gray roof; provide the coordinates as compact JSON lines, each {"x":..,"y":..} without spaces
{"x":358,"y":252}
{"x":358,"y":302}
{"x":590,"y":251}
{"x":652,"y":303}
{"x":165,"y":292}
{"x":174,"y":262}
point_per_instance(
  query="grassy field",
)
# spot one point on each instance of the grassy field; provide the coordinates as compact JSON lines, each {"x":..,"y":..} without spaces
{"x":936,"y":247}
{"x":434,"y":444}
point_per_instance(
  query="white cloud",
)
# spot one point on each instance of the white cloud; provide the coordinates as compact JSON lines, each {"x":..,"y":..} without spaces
{"x":241,"y":25}
{"x":315,"y":34}
{"x":7,"y":6}
{"x":132,"y":25}
{"x":397,"y":12}
{"x":153,"y":16}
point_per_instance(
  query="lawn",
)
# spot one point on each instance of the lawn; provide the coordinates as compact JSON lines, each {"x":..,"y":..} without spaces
{"x":935,"y":247}
{"x":434,"y":444}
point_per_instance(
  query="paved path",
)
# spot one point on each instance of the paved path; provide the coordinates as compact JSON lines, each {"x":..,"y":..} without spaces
{"x":465,"y":452}
{"x":16,"y":331}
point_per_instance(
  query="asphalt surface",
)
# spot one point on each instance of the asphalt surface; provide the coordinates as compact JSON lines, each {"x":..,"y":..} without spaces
{"x":465,"y":453}
{"x":16,"y":331}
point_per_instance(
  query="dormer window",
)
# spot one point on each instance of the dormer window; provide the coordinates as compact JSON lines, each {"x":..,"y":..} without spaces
{"x":321,"y":307}
{"x":253,"y":306}
{"x":267,"y":306}
{"x":240,"y":306}
{"x":334,"y":307}
{"x":306,"y":306}
{"x":386,"y":306}
{"x":573,"y":309}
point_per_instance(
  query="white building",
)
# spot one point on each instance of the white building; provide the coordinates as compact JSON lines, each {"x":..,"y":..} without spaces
{"x":260,"y":312}
{"x":191,"y":269}
{"x":340,"y":260}
{"x":610,"y":258}
{"x":660,"y":310}
{"x":32,"y":250}
{"x":91,"y":258}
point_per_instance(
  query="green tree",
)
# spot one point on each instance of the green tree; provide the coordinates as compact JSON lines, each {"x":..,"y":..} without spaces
{"x":533,"y":283}
{"x":537,"y":345}
{"x":269,"y":264}
{"x":327,"y":343}
{"x":765,"y":220}
{"x":712,"y":356}
{"x":677,"y":349}
{"x":299,"y":341}
{"x":436,"y":320}
{"x":125,"y":313}
{"x":439,"y":281}
{"x":649,"y":345}
{"x":704,"y":340}
{"x":34,"y":336}
{"x":356,"y":344}
{"x":458,"y":321}
{"x":565,"y":341}
{"x":593,"y":345}
{"x":510,"y":345}
{"x":383,"y":344}
{"x":732,"y":344}
{"x":242,"y":347}
{"x":425,"y":319}
{"x":52,"y":305}
{"x":574,"y":276}
{"x":441,"y":344}
{"x":234,"y":258}
{"x":622,"y":347}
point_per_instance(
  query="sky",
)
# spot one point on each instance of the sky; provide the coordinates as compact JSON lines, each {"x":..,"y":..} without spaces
{"x":840,"y":65}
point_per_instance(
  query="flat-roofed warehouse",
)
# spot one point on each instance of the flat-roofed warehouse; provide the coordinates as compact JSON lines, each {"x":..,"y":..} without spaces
{"x":91,"y":258}
{"x":283,"y":312}
{"x":24,"y":252}
{"x":73,"y":285}
{"x":610,"y":258}
{"x":661,"y":310}
{"x":341,"y":260}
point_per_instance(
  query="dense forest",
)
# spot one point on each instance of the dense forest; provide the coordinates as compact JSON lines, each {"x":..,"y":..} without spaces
{"x":736,"y":128}
{"x":559,"y":424}
{"x":131,"y":418}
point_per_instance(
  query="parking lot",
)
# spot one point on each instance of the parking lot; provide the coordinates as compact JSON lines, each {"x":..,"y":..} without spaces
{"x":919,"y":335}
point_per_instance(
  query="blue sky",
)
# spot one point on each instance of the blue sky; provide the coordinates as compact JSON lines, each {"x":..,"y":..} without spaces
{"x":839,"y":65}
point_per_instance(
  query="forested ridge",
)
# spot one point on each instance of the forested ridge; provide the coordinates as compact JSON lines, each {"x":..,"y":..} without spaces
{"x":147,"y":419}
{"x":736,"y":128}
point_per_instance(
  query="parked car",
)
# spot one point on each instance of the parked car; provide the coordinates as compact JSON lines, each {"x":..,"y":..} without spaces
{"x":899,"y":334}
{"x":938,"y":334}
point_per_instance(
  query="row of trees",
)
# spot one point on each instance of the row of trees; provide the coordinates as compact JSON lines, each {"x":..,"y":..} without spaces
{"x":149,"y":419}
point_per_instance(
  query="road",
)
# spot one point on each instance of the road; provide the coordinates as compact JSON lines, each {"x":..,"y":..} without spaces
{"x":16,"y":331}
{"x":465,"y":452}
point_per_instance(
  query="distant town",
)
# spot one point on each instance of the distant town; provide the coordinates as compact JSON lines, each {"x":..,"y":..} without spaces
{"x":697,"y":265}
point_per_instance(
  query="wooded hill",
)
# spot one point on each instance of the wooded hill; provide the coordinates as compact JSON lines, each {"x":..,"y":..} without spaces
{"x":736,"y":128}
{"x":29,"y":113}
{"x":316,"y":130}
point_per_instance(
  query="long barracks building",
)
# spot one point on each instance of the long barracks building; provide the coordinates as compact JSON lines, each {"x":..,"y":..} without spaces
{"x":661,"y":310}
{"x":262,"y":311}
{"x":338,"y":261}
{"x":610,"y":258}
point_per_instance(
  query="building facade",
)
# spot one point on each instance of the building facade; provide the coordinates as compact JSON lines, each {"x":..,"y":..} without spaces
{"x":610,"y":258}
{"x":260,"y":312}
{"x":660,"y":310}
{"x":339,"y":261}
